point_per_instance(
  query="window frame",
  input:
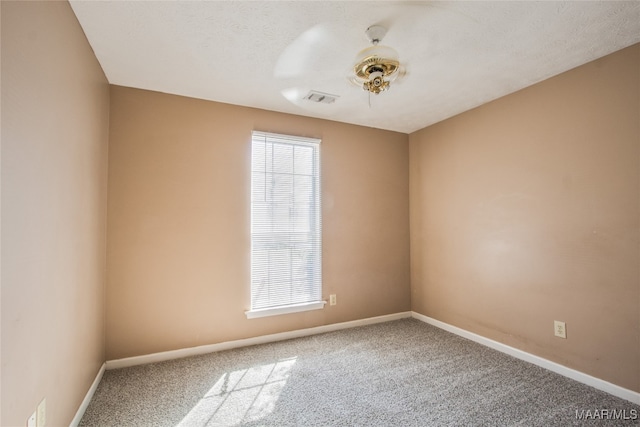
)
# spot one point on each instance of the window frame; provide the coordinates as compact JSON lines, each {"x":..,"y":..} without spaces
{"x":314,"y":215}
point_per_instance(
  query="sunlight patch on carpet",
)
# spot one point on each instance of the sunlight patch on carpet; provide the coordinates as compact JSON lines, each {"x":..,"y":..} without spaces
{"x":241,"y":396}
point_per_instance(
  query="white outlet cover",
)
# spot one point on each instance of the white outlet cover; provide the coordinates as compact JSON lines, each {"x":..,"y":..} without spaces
{"x":31,"y":422}
{"x":559,"y":329}
{"x":41,"y":412}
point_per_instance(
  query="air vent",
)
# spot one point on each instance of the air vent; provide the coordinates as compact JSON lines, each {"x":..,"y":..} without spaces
{"x":324,"y":98}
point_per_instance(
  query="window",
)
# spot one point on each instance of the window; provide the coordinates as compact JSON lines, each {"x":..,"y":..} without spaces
{"x":286,"y":250}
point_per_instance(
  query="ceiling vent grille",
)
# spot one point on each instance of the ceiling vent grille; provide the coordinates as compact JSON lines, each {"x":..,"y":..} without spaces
{"x":323,"y":98}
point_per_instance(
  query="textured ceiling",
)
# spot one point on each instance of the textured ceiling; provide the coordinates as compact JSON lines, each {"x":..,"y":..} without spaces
{"x":457,"y":55}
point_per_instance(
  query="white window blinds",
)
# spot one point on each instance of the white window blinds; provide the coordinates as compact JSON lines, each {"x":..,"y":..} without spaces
{"x":286,"y":267}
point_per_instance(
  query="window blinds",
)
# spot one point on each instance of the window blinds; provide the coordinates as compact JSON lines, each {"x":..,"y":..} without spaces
{"x":286,"y":266}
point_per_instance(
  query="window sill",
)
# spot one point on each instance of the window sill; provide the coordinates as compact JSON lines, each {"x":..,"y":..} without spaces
{"x":286,"y":309}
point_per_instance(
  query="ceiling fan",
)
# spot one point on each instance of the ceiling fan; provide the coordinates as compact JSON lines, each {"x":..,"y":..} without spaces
{"x":376,"y":66}
{"x":373,"y":69}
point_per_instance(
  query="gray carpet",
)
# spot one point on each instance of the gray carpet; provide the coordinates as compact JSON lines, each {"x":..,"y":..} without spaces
{"x":401,"y":373}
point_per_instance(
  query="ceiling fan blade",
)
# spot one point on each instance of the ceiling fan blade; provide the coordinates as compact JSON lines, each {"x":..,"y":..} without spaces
{"x":401,"y":74}
{"x":306,"y":53}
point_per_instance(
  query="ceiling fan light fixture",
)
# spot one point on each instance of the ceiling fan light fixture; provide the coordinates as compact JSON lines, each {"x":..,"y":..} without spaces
{"x":376,"y":66}
{"x":376,"y":83}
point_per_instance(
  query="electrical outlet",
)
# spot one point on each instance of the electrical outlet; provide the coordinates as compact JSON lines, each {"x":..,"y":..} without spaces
{"x":41,"y":413}
{"x":332,"y":299}
{"x":31,"y":422}
{"x":559,"y":329}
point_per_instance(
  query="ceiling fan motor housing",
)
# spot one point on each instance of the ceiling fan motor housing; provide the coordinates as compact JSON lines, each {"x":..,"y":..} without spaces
{"x":375,"y":72}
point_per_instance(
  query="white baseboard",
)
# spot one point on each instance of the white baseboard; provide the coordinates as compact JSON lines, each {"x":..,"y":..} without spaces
{"x":204,"y":349}
{"x":630,"y":395}
{"x":87,"y":398}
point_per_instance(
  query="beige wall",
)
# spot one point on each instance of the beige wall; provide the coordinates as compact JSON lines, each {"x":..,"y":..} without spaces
{"x":527,"y":210}
{"x":178,"y":222}
{"x":55,"y":106}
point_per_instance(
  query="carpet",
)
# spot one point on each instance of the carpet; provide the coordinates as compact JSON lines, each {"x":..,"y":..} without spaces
{"x":400,"y":373}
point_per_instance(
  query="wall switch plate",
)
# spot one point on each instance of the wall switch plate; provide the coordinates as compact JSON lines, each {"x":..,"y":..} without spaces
{"x":332,"y":299}
{"x":559,"y":329}
{"x":41,"y":413}
{"x":31,"y":422}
